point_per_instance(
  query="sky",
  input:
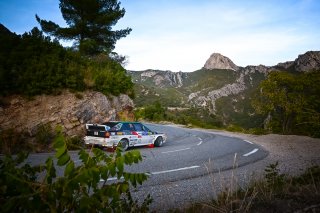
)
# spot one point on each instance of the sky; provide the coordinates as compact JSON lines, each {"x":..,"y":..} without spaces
{"x":180,"y":35}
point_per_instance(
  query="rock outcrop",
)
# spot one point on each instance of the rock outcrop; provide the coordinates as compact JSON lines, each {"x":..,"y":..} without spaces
{"x":71,"y":111}
{"x":160,"y":78}
{"x":218,"y":61}
{"x":306,"y":62}
{"x":212,"y":96}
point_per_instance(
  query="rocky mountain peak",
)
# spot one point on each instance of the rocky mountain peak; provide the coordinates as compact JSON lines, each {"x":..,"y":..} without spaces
{"x":218,"y":61}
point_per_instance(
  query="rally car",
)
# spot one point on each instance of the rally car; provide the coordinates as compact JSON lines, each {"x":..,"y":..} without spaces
{"x":122,"y":134}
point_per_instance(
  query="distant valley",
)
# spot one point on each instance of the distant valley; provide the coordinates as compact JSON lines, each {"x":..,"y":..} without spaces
{"x":220,"y":87}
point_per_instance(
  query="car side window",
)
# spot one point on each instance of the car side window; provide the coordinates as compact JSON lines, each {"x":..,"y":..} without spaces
{"x":127,"y":127}
{"x":116,"y":127}
{"x":138,"y":127}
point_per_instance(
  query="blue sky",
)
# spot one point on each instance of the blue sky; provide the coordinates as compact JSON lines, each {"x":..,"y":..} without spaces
{"x":180,"y":35}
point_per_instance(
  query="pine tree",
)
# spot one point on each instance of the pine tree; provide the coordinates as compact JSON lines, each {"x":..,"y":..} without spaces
{"x":90,"y":24}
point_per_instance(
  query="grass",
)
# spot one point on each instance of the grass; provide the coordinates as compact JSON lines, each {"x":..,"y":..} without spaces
{"x":274,"y":193}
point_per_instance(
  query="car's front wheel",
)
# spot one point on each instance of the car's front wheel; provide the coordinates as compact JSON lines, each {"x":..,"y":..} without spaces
{"x":123,"y":144}
{"x":158,"y":142}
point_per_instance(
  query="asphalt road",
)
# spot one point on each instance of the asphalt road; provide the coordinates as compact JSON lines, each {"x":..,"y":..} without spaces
{"x":192,"y":153}
{"x":181,"y":170}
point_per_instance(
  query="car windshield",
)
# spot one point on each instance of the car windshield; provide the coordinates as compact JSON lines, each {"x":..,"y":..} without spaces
{"x":145,"y":128}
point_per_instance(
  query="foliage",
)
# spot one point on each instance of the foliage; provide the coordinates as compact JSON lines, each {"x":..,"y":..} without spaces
{"x":90,"y":23}
{"x":36,"y":65}
{"x":33,"y":64}
{"x":196,"y":117}
{"x":44,"y":135}
{"x":74,"y":143}
{"x":83,"y":188}
{"x":291,"y":101}
{"x":275,"y":193}
{"x":12,"y":141}
{"x":274,"y":179}
{"x":152,"y":112}
{"x":110,"y":77}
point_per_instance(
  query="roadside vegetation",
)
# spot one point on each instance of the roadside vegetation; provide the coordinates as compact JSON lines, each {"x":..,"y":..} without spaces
{"x":81,"y":188}
{"x":191,"y":117}
{"x":290,"y":102}
{"x":275,"y":192}
{"x":33,"y":64}
{"x":13,"y":142}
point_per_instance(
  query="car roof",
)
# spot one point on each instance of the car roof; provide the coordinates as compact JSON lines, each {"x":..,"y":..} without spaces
{"x":131,"y":122}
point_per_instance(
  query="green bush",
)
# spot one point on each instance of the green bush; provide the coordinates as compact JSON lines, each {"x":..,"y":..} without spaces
{"x":44,"y":135}
{"x":33,"y":64}
{"x":74,"y":143}
{"x":82,"y":188}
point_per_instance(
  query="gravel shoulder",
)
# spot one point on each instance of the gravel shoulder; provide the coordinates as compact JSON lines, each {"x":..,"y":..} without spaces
{"x":293,"y":152}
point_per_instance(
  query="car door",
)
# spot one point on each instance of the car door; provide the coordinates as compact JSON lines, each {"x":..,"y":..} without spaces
{"x":146,"y":138}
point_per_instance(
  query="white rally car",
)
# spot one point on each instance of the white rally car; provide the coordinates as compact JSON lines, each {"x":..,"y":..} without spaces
{"x":122,"y":134}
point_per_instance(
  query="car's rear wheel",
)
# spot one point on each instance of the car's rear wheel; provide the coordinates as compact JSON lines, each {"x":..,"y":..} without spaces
{"x":158,"y":142}
{"x":123,"y":144}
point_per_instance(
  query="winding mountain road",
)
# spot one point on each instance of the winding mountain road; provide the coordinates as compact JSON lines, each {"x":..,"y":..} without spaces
{"x":192,"y":153}
{"x":183,"y":169}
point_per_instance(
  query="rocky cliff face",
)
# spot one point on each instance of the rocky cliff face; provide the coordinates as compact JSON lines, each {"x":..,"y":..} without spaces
{"x":209,"y":99}
{"x":218,"y":61}
{"x":304,"y":63}
{"x":71,"y":111}
{"x":159,"y":78}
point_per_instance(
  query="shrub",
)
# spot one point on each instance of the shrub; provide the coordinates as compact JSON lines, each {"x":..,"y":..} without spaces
{"x":44,"y":136}
{"x":83,"y":188}
{"x":12,"y":141}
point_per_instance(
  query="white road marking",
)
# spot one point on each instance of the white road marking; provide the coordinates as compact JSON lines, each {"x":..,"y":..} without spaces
{"x":250,"y":153}
{"x":248,"y":141}
{"x":199,"y":142}
{"x":178,"y":150}
{"x":110,"y":179}
{"x":158,"y":173}
{"x":174,"y":170}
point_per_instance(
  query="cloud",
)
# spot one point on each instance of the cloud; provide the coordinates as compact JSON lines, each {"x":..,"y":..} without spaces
{"x":183,"y":38}
{"x":181,"y":34}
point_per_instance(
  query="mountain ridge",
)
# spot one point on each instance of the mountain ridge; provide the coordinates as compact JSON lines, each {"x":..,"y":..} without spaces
{"x":205,"y":87}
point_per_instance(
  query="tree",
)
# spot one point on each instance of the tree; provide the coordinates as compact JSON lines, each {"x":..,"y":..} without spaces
{"x":282,"y":97}
{"x":291,"y":102}
{"x":90,"y":25}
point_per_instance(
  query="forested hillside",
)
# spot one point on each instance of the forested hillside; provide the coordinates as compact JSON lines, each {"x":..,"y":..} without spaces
{"x":32,"y":64}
